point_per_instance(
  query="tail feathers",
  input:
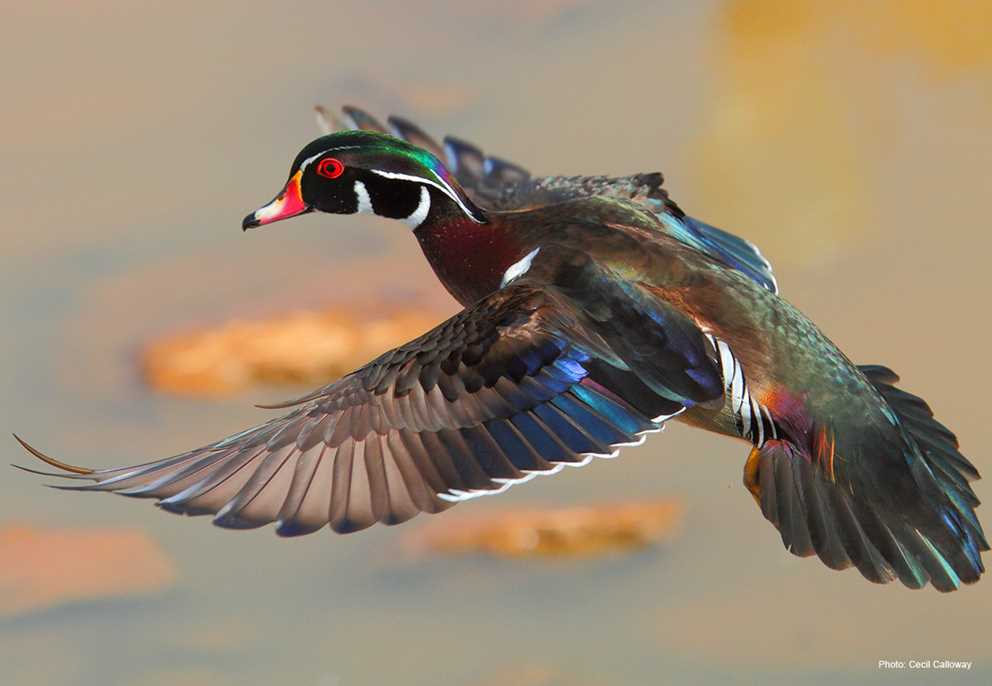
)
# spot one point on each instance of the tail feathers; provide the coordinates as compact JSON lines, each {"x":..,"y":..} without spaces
{"x":895,"y":504}
{"x":817,"y":516}
{"x":938,"y":446}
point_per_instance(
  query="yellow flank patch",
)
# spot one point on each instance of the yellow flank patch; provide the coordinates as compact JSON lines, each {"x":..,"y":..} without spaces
{"x":751,"y":474}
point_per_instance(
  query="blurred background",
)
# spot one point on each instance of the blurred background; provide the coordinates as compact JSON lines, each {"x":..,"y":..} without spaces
{"x":850,"y":140}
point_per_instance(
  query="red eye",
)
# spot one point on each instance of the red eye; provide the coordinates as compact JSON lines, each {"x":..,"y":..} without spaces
{"x":330,"y":168}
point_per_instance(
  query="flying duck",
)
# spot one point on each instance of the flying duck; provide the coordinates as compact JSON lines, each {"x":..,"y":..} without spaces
{"x":595,"y":311}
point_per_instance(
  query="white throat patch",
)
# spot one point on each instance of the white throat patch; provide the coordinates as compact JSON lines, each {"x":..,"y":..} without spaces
{"x":418,"y":216}
{"x":363,"y":198}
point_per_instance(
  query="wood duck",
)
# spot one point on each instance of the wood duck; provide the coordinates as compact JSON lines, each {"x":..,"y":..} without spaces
{"x":595,"y":311}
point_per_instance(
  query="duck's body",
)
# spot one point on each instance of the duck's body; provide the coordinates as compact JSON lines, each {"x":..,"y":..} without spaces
{"x":783,"y":351}
{"x":595,"y":310}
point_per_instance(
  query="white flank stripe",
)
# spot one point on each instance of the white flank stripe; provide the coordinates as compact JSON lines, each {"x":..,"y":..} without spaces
{"x":745,"y":411}
{"x":745,"y":408}
{"x":760,"y":421}
{"x":771,"y":422}
{"x":737,"y":387}
{"x":726,"y":363}
{"x":745,"y":396}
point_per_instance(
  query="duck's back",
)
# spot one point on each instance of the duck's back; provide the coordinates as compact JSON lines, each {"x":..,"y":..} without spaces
{"x":501,"y":186}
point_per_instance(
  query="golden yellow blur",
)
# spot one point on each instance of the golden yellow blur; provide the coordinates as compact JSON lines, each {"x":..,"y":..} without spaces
{"x":801,"y":107}
{"x":578,"y":532}
{"x":45,"y":568}
{"x":303,"y":347}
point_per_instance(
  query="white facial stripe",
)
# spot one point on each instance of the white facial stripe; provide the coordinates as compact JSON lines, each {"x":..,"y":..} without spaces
{"x":363,"y":198}
{"x":418,"y":216}
{"x":308,"y":161}
{"x":519,"y":268}
{"x":439,"y":184}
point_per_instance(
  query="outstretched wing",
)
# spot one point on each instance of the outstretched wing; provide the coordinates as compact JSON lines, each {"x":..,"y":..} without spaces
{"x":512,"y":387}
{"x":495,"y":184}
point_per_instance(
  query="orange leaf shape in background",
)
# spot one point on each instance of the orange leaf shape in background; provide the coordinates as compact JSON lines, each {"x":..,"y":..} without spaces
{"x":304,"y":347}
{"x":44,"y":567}
{"x":591,"y":531}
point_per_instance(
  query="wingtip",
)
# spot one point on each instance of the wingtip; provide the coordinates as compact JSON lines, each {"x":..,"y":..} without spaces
{"x":60,"y":475}
{"x":327,"y":121}
{"x":275,"y":406}
{"x":51,"y":461}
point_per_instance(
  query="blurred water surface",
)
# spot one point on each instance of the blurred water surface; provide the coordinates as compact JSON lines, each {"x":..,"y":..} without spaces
{"x":853,"y":144}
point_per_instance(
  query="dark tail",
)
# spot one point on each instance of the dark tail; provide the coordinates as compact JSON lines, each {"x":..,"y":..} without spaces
{"x":943,"y":475}
{"x":889,"y":498}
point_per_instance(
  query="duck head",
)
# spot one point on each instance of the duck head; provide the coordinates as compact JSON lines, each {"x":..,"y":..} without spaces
{"x":350,"y":172}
